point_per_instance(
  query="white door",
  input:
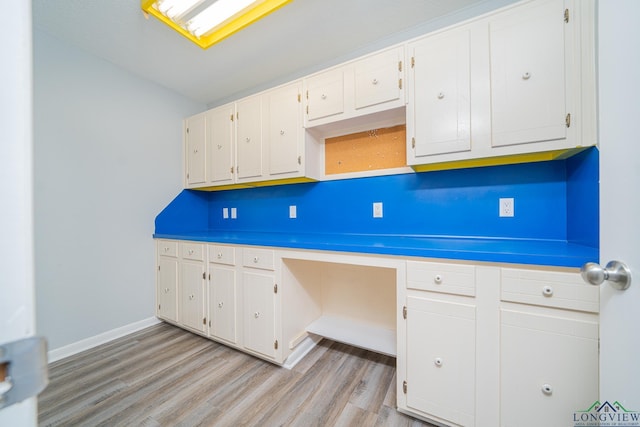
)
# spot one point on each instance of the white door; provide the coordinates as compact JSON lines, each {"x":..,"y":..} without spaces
{"x":619,"y":109}
{"x":16,"y":213}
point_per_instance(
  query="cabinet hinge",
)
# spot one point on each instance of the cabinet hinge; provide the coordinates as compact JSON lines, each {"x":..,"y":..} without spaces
{"x":209,"y":276}
{"x":231,"y":169}
{"x":231,"y":117}
{"x":159,"y":306}
{"x":187,"y":175}
{"x":299,"y":160}
{"x":413,"y":61}
{"x":275,"y":344}
{"x":209,"y":323}
{"x":204,"y":321}
{"x":158,"y":268}
{"x":399,"y":65}
{"x":404,"y":387}
{"x":566,"y":15}
{"x":400,"y":83}
{"x":187,"y":130}
{"x":413,"y":143}
{"x":307,"y":109}
{"x":275,"y":288}
{"x":567,"y":120}
{"x":237,"y":115}
{"x":404,"y":312}
{"x":307,"y":94}
{"x":204,"y":276}
{"x":299,"y":98}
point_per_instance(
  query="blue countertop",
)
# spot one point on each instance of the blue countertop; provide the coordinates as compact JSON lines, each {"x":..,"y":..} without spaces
{"x":517,"y":251}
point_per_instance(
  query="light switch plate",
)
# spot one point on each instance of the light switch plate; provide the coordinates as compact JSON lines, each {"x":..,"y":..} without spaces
{"x":377,"y":209}
{"x":293,"y":211}
{"x":234,"y":213}
{"x":225,"y":213}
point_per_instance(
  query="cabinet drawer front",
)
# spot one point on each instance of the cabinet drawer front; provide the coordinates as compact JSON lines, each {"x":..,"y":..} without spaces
{"x":222,"y":254}
{"x":549,"y":289}
{"x":258,"y":258}
{"x":194,"y":251}
{"x":168,"y":248}
{"x":446,"y":278}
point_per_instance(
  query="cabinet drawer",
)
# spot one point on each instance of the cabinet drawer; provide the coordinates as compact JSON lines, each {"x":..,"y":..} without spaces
{"x":446,"y":278}
{"x":168,"y":248}
{"x":549,"y":289}
{"x":258,"y":258}
{"x":194,"y":251}
{"x":222,"y":254}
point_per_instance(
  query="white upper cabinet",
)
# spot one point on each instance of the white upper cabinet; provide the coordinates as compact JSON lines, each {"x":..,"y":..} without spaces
{"x":284,"y":132}
{"x":249,"y":139}
{"x":325,"y":95}
{"x":378,"y":79}
{"x":220,"y":143}
{"x":528,"y":91}
{"x":195,"y":154}
{"x":440,"y":96}
{"x":372,"y":85}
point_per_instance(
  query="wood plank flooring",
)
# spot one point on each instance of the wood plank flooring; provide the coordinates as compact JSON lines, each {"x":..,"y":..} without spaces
{"x":165,"y":376}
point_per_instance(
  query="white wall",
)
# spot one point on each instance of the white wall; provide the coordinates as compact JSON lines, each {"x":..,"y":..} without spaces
{"x":107,"y":161}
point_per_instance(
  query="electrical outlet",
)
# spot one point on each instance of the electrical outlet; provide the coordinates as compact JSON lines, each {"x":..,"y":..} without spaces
{"x":234,"y":213}
{"x":377,"y":209}
{"x":293,"y":211}
{"x":507,"y":207}
{"x":225,"y":213}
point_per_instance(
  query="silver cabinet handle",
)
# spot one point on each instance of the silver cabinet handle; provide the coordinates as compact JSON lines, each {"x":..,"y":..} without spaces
{"x":616,"y":273}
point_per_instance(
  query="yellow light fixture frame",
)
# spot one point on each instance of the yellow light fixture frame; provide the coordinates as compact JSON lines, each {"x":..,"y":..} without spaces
{"x":224,"y":30}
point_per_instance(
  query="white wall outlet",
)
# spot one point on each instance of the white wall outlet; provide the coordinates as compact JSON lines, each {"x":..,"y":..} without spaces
{"x":234,"y":213}
{"x":293,"y":211}
{"x":507,"y":207}
{"x":377,"y":209}
{"x":225,"y":213}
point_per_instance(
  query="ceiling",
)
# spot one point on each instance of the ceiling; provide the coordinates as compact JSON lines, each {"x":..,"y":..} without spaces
{"x":300,"y":38}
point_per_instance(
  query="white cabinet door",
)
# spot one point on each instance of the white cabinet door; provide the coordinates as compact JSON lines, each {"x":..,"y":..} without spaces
{"x":191,"y":295}
{"x":259,"y":313}
{"x":441,"y":359}
{"x":325,"y":94}
{"x":222,"y":303}
{"x":249,"y":139}
{"x":549,"y":368}
{"x":167,"y":287}
{"x":195,"y":150}
{"x":221,"y":134}
{"x":285,"y":132}
{"x":528,"y":74}
{"x":439,"y":108}
{"x":378,"y":79}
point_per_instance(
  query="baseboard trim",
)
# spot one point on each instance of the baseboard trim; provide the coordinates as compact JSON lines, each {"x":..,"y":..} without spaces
{"x":87,"y":343}
{"x":301,"y":350}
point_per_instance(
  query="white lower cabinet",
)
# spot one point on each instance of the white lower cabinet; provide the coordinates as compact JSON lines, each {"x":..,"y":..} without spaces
{"x":441,"y":358}
{"x":492,"y":345}
{"x":548,"y":347}
{"x":191,"y":289}
{"x":223,"y":294}
{"x":167,"y":281}
{"x":477,"y":344}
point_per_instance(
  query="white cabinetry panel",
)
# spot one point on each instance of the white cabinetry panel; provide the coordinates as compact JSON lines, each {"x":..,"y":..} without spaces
{"x":528,"y":74}
{"x":378,"y":79}
{"x":221,"y":145}
{"x":195,"y":150}
{"x":249,"y":139}
{"x":440,"y":96}
{"x":259,"y":313}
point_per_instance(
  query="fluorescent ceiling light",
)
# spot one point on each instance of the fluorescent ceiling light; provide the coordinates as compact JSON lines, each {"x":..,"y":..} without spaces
{"x":206,"y":22}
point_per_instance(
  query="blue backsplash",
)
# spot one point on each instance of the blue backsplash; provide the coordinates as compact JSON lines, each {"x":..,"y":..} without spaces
{"x":556,"y":200}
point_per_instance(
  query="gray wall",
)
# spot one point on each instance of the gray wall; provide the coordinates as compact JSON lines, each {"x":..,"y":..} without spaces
{"x":107,"y":161}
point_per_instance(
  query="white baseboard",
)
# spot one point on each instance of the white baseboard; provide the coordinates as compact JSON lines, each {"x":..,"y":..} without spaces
{"x":301,"y":350}
{"x":87,"y":343}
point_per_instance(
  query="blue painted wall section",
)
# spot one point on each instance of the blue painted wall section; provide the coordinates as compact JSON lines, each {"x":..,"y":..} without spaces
{"x":555,"y":201}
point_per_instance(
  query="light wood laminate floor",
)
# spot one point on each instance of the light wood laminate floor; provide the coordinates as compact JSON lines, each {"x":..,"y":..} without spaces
{"x":165,"y":376}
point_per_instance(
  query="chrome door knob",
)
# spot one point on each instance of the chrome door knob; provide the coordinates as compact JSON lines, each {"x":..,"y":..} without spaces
{"x":616,"y":273}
